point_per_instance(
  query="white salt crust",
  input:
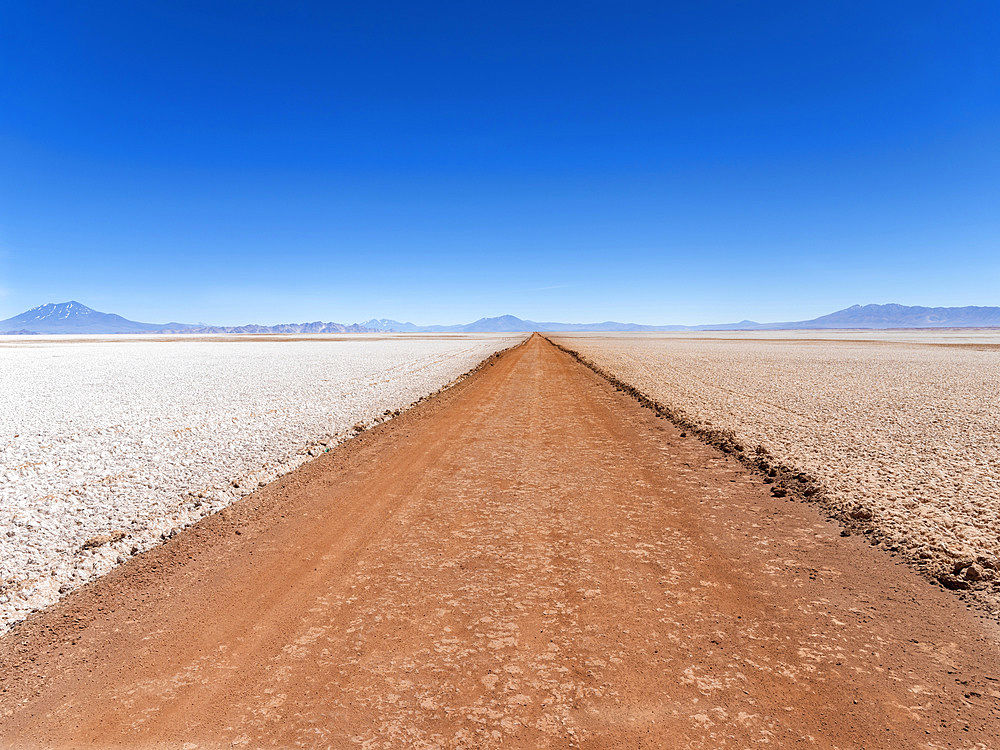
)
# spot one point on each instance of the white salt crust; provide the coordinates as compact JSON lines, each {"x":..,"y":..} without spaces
{"x":140,"y":436}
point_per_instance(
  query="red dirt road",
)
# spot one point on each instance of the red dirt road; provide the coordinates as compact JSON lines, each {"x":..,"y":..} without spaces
{"x":528,"y":560}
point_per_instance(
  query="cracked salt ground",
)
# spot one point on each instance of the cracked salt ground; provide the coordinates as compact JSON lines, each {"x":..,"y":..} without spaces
{"x":529,"y":560}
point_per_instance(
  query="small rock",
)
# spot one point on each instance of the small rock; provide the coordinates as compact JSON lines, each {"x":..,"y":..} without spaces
{"x":952,"y":582}
{"x":102,"y":539}
{"x":961,"y":564}
{"x":977,"y":573}
{"x":779,"y":491}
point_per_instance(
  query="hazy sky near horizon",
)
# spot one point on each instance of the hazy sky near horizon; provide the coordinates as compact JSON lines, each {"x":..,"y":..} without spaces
{"x":669,"y":162}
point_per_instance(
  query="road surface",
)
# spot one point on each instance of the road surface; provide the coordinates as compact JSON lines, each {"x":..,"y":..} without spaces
{"x":527,"y":560}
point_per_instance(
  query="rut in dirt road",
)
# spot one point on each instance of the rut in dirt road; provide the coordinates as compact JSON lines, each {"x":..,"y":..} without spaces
{"x":529,"y":559}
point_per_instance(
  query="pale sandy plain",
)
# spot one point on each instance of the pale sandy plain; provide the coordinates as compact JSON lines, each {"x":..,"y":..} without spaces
{"x":108,"y":445}
{"x":901,"y":425}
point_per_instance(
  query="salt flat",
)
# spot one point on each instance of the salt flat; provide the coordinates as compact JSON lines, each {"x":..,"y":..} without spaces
{"x":903,"y":425}
{"x":129,"y":438}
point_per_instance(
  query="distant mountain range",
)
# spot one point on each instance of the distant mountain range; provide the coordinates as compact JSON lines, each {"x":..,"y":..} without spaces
{"x":511,"y":324}
{"x":899,"y":316}
{"x":857,"y":316}
{"x":73,"y":317}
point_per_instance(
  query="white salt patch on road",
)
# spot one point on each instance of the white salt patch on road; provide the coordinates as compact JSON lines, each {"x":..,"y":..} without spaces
{"x":147,"y":436}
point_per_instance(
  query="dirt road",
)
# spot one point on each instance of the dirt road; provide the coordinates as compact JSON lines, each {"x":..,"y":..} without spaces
{"x":527,"y":560}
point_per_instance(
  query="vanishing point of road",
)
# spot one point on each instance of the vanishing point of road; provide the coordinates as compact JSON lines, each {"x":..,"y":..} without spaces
{"x":529,"y":559}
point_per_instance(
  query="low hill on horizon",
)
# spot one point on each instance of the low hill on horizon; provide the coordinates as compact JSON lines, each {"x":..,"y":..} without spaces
{"x":75,"y":318}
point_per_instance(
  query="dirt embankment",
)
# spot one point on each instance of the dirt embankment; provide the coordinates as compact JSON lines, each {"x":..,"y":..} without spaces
{"x":529,"y":559}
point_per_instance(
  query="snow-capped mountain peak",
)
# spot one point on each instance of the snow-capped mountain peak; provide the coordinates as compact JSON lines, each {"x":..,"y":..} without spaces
{"x":58,"y":311}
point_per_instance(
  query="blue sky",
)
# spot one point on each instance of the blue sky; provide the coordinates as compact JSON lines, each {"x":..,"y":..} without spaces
{"x":659,"y":162}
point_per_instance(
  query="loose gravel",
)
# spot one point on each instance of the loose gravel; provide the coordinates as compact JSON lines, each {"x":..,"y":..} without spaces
{"x":112,"y":445}
{"x":900,"y":430}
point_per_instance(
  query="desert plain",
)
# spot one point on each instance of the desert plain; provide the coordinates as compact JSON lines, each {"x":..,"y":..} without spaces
{"x":555,"y":550}
{"x":112,"y":444}
{"x":900,"y":430}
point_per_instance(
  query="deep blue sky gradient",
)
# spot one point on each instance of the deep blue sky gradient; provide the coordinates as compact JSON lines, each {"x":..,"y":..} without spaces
{"x":690,"y":162}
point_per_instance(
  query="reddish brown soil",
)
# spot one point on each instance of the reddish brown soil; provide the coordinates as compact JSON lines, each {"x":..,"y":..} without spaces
{"x":528,"y":560}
